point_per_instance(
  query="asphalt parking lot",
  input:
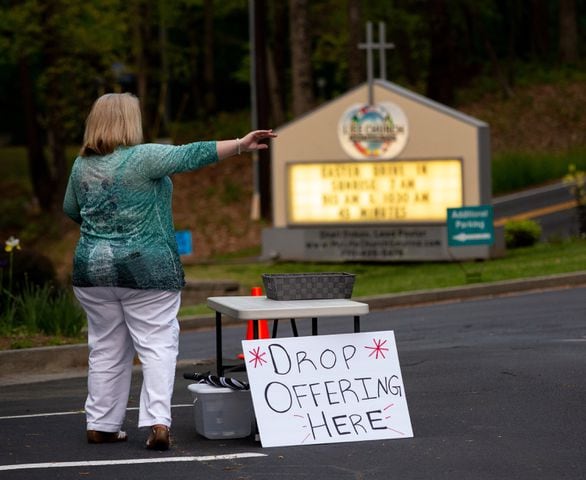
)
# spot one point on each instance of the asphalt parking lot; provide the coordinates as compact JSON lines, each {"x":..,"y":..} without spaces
{"x":495,"y":389}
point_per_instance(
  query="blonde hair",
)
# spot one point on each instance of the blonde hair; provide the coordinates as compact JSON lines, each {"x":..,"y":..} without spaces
{"x":114,"y":120}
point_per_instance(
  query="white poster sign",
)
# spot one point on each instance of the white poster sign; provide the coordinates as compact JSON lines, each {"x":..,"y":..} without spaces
{"x":327,"y":389}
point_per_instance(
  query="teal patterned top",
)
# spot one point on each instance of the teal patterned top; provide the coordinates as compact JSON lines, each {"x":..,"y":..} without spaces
{"x":122,"y":202}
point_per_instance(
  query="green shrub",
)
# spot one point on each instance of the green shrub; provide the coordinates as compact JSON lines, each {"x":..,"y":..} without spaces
{"x":64,"y":316}
{"x":43,"y":309}
{"x":522,"y":233}
{"x":7,"y":317}
{"x":11,"y":213}
{"x":29,"y":268}
{"x":30,"y":300}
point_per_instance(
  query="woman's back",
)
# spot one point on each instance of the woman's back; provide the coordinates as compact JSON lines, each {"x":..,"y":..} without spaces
{"x":123,"y":200}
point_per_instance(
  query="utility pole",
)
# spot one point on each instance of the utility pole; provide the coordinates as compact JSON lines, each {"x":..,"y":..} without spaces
{"x":255,"y":204}
{"x":262,"y":198}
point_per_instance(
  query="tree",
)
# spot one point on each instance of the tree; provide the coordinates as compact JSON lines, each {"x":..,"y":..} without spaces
{"x":440,"y":81}
{"x":262,"y":106}
{"x":568,"y":32}
{"x":539,"y":28}
{"x":494,"y":36}
{"x":209,"y":57}
{"x":63,"y":51}
{"x":139,"y":11}
{"x":411,"y":54}
{"x":301,"y":70}
{"x":356,"y":67}
{"x":276,"y":61}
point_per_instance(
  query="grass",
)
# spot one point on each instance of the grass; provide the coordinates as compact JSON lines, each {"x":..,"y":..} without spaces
{"x":512,"y":171}
{"x":14,"y":162}
{"x":41,"y":309}
{"x":20,"y":340}
{"x":377,"y":279}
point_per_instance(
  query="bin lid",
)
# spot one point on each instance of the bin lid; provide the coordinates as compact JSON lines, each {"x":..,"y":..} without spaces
{"x":205,"y":388}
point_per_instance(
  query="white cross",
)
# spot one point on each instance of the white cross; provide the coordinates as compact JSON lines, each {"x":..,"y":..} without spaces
{"x":370,"y":46}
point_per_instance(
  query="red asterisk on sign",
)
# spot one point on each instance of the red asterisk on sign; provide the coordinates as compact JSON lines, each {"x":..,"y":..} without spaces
{"x":257,"y":357}
{"x":378,"y":348}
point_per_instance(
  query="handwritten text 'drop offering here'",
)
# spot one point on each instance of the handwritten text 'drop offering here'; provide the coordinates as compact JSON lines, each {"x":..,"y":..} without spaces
{"x":327,"y":389}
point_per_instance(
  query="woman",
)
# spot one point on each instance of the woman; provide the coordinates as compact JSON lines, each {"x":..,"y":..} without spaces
{"x":126,"y":270}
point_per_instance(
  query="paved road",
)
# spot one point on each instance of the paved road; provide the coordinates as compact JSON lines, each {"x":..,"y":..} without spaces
{"x":495,"y":389}
{"x":552,"y":206}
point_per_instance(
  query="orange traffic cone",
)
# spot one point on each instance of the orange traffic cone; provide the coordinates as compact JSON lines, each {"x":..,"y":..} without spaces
{"x":263,"y":327}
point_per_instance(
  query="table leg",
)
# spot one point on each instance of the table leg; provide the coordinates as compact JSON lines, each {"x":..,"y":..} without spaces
{"x":219,"y":366}
{"x":255,"y":329}
{"x":294,"y":327}
{"x":356,"y":324}
{"x":314,"y":326}
{"x":275,"y":326}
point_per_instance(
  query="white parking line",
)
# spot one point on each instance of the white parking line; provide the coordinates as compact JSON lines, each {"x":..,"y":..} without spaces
{"x":130,"y":461}
{"x":74,"y":412}
{"x":33,"y":415}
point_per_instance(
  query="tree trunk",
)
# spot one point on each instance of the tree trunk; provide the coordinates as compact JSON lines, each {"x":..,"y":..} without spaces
{"x":209,"y":59}
{"x":56,"y":80}
{"x":300,"y":40}
{"x":262,"y":106}
{"x":161,"y":118}
{"x":37,"y":161}
{"x":194,"y":60}
{"x":539,"y":29}
{"x":512,"y":15}
{"x":277,"y":63}
{"x":57,"y":141}
{"x":164,"y":106}
{"x":356,"y":64}
{"x":568,"y":32}
{"x":139,"y":28}
{"x":500,"y":70}
{"x":440,"y":81}
{"x":275,"y":90}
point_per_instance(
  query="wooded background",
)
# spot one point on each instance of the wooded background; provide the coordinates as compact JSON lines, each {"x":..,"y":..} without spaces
{"x":189,"y":61}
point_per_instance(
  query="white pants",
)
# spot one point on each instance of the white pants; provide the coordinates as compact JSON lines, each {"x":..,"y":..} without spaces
{"x":122,"y":321}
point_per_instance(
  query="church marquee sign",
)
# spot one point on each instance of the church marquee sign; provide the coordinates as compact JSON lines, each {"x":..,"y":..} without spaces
{"x":329,"y":193}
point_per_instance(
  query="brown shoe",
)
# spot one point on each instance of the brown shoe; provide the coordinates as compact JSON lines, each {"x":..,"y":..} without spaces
{"x":95,"y":436}
{"x":158,"y":438}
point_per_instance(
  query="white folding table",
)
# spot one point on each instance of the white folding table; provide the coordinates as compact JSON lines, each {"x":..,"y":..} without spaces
{"x":256,"y":308}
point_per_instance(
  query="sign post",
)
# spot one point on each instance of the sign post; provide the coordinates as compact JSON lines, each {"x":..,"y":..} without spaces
{"x":470,"y":226}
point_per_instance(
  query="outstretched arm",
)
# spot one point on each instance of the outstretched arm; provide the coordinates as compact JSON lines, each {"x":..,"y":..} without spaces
{"x":249,"y":143}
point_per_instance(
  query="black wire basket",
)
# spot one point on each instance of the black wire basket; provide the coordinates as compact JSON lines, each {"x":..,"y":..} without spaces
{"x":308,"y":286}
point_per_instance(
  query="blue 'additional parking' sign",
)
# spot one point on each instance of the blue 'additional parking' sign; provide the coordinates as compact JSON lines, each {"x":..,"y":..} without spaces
{"x":470,"y":226}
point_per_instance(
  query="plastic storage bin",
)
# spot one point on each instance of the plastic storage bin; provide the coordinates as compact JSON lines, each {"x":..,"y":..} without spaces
{"x":221,"y":413}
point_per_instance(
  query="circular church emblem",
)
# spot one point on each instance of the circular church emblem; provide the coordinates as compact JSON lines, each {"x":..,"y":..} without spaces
{"x":373,"y":131}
